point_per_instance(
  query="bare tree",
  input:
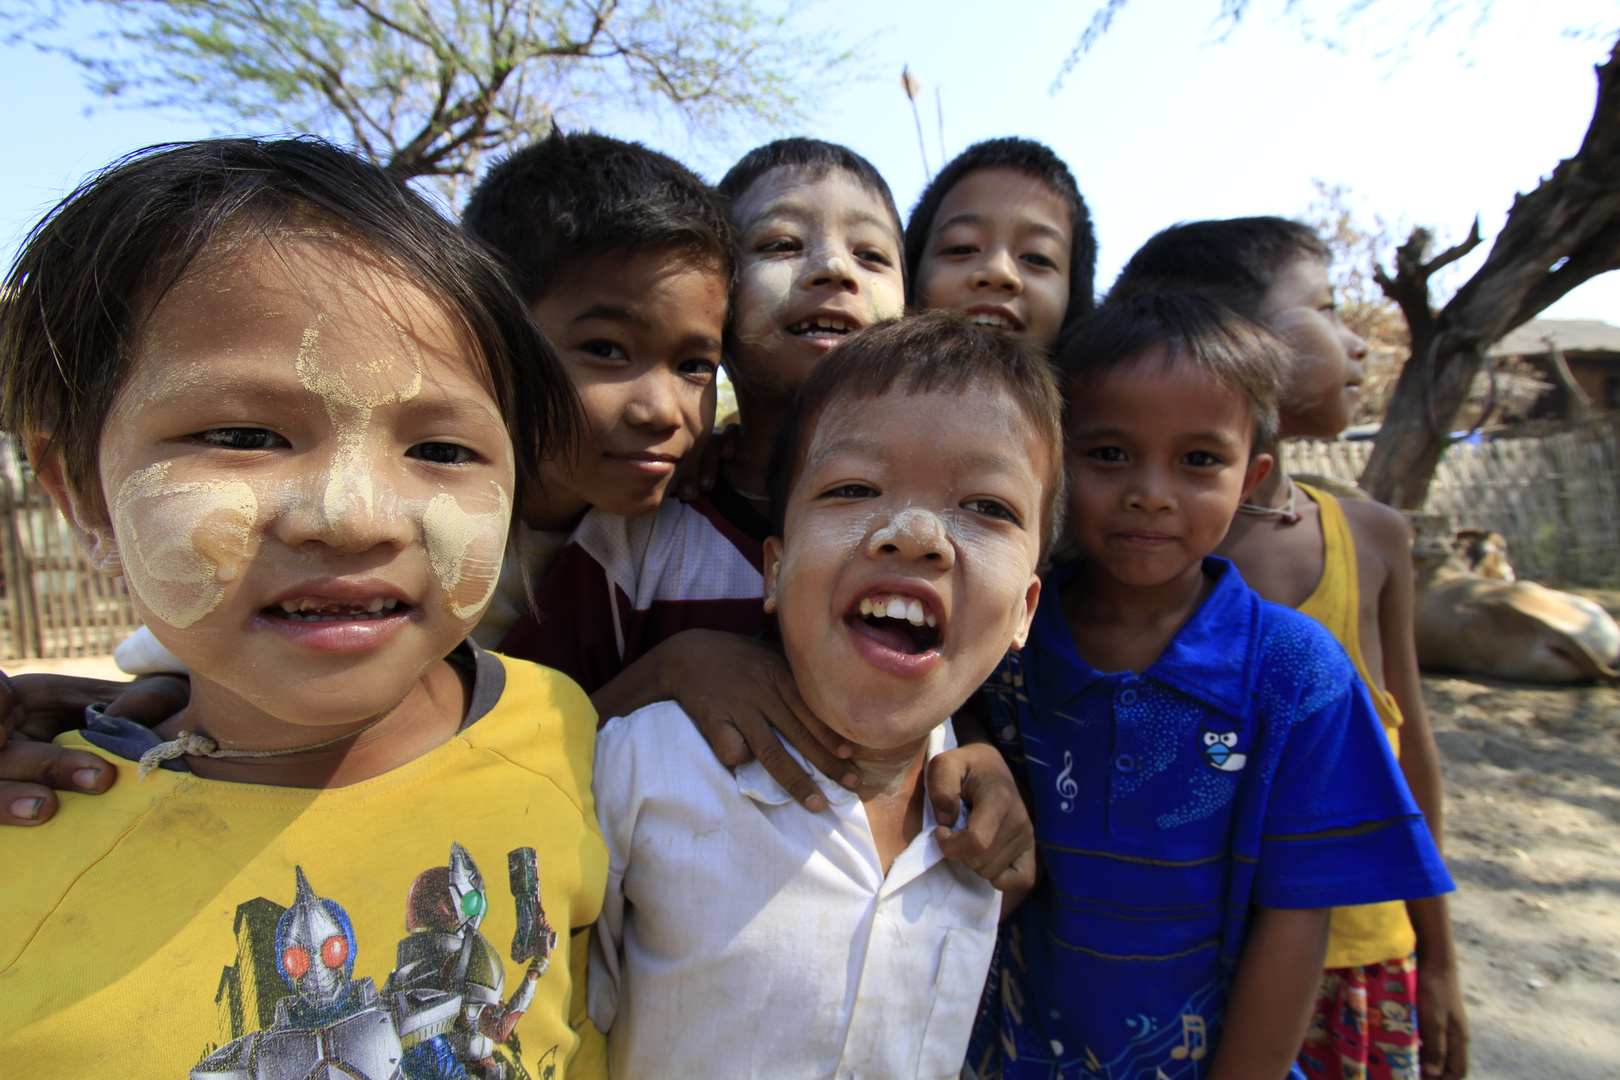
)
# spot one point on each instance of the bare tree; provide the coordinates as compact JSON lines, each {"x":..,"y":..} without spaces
{"x":425,"y":86}
{"x":1562,"y":234}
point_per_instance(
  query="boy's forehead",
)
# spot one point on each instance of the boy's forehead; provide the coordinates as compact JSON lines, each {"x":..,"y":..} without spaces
{"x":812,"y":194}
{"x":1005,"y":191}
{"x":978,"y":423}
{"x":1143,"y":393}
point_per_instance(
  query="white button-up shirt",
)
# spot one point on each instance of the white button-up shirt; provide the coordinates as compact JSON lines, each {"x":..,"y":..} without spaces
{"x":743,"y":936}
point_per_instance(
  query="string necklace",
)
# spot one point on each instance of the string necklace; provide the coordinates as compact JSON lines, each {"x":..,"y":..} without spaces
{"x":1288,"y":515}
{"x":196,"y":744}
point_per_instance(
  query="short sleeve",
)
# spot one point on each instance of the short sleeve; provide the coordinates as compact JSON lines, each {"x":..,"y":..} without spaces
{"x":614,"y":784}
{"x":1341,"y":826}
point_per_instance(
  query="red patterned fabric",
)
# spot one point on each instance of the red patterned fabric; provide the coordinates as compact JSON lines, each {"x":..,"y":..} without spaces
{"x":1365,"y":1026}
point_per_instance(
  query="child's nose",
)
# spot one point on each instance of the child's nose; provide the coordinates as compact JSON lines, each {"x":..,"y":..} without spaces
{"x":831,"y":266}
{"x":999,"y":271}
{"x":656,"y":403}
{"x":914,"y":534}
{"x":350,"y":506}
{"x":1150,"y":490}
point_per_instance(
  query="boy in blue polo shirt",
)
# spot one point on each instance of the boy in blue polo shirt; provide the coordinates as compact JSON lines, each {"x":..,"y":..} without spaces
{"x":1207,"y":771}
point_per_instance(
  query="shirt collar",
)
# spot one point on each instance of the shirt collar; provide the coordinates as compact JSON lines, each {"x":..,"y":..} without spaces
{"x":1210,"y":658}
{"x":759,"y":785}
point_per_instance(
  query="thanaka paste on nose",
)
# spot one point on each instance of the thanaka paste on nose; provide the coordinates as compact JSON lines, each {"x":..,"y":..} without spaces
{"x":350,"y":406}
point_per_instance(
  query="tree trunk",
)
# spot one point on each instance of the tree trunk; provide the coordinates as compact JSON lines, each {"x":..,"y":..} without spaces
{"x":1562,"y":234}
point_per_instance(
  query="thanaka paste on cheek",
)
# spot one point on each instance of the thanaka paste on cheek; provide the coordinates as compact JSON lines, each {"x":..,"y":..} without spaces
{"x":465,"y":550}
{"x":181,"y":544}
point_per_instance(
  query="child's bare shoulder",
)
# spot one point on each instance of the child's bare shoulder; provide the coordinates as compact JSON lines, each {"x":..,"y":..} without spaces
{"x":1379,"y":528}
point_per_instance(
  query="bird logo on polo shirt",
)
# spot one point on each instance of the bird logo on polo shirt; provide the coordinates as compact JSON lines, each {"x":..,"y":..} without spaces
{"x":1219,"y":736}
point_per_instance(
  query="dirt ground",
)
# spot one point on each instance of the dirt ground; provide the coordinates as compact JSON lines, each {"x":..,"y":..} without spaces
{"x":1533,"y":802}
{"x":1533,"y":827}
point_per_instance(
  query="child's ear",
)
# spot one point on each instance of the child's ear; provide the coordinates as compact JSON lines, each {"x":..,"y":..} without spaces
{"x":90,"y":525}
{"x":1032,"y":599}
{"x":773,"y":571}
{"x":1260,"y":467}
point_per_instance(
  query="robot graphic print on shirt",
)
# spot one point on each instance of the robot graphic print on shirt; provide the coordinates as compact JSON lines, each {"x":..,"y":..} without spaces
{"x":293,"y":1009}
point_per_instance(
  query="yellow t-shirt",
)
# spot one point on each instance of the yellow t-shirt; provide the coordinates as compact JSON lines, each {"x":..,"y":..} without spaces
{"x":160,"y":923}
{"x":1368,"y":933}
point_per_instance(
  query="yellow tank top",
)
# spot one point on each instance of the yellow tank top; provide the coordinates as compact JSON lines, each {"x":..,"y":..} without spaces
{"x":1369,"y":933}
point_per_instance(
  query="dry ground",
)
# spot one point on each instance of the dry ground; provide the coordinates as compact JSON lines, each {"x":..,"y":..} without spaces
{"x":1533,"y":796}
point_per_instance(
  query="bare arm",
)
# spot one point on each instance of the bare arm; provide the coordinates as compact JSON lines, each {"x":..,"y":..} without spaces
{"x":1273,"y":994}
{"x":1442,"y":1018}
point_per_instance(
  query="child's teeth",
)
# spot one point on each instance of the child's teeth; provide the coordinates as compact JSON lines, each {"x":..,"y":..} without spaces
{"x":866,"y":606}
{"x":896,"y":609}
{"x":375,"y":606}
{"x":914,"y":613}
{"x":289,"y":606}
{"x":932,"y":621}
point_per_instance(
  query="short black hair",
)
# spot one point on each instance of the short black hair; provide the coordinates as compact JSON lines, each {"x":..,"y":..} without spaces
{"x":1234,"y":260}
{"x":89,"y":275}
{"x":572,"y":197}
{"x":937,"y":350}
{"x":1235,"y":351}
{"x":815,"y":157}
{"x":1033,"y":159}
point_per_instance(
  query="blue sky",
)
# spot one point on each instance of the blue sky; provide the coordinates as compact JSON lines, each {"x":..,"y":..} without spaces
{"x":1162,"y":122}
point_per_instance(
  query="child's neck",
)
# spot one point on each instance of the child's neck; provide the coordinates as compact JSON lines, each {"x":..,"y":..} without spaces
{"x":428,"y":716}
{"x":891,"y":789}
{"x":761,"y":415}
{"x":1118,"y":626}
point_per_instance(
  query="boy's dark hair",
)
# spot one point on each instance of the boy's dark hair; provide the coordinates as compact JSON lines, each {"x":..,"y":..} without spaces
{"x":815,"y":157}
{"x":89,"y":275}
{"x":1234,"y":260}
{"x":1033,"y":159}
{"x":937,"y":350}
{"x":568,"y":198}
{"x":1235,"y":351}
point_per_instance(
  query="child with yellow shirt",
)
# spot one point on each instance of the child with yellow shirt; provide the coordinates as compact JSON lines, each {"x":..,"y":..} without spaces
{"x":277,"y":391}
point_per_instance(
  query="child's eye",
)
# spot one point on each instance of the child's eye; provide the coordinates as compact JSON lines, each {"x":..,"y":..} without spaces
{"x":241,"y":438}
{"x":1111,"y":454}
{"x":850,"y":491}
{"x":606,"y":350}
{"x":702,"y":370}
{"x":1201,"y":459}
{"x":442,"y":453}
{"x":780,"y":244}
{"x":959,"y":249}
{"x":992,"y":508}
{"x":1035,"y":258}
{"x":873,"y":255}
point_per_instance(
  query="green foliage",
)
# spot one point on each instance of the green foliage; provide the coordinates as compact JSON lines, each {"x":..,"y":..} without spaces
{"x":426,"y":86}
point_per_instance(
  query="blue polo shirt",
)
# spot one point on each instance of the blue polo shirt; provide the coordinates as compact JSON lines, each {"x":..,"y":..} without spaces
{"x":1244,"y":767}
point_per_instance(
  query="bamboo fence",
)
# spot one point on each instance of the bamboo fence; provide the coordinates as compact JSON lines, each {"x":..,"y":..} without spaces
{"x":1552,"y":492}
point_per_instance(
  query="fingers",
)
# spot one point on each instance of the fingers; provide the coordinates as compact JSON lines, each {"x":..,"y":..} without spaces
{"x":1457,"y":1040}
{"x":151,"y":701}
{"x":26,"y":804}
{"x":946,"y":772}
{"x":724,"y":739}
{"x":1432,"y":1040}
{"x":768,"y":748}
{"x":30,"y":770}
{"x":52,"y":704}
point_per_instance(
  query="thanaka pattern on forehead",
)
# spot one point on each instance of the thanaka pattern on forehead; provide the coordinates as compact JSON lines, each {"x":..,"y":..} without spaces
{"x":350,"y":407}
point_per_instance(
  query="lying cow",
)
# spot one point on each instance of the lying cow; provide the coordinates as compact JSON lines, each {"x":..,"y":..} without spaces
{"x":1473,"y":616}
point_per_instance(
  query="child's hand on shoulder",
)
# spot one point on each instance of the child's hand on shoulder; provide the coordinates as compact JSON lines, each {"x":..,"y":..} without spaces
{"x":998,"y":840}
{"x":34,"y":709}
{"x":742,"y":696}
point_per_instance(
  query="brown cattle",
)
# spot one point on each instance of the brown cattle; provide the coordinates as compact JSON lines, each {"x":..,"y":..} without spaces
{"x":1472,"y":616}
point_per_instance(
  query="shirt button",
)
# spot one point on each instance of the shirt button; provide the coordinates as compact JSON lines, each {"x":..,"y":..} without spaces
{"x":1125,"y":763}
{"x":1127,"y":697}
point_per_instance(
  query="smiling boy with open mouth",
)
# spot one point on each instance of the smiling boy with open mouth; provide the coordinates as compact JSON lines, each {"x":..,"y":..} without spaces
{"x":913,"y":488}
